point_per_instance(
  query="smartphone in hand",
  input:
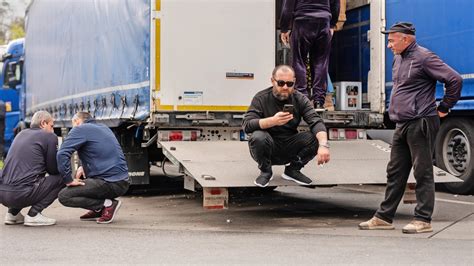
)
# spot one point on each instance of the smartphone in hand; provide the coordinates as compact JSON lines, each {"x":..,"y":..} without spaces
{"x":288,"y":108}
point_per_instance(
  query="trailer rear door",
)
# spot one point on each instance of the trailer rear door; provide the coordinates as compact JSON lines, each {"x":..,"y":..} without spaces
{"x":211,"y":55}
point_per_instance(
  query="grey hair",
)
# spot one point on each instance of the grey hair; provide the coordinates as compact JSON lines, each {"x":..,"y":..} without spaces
{"x":408,"y":36}
{"x":39,"y":117}
{"x":83,"y":116}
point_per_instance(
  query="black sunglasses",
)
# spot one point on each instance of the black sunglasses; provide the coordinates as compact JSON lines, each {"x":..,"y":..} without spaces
{"x":282,"y":83}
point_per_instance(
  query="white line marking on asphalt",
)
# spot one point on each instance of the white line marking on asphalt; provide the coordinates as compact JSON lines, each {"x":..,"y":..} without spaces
{"x":381,"y":193}
{"x":456,"y":201}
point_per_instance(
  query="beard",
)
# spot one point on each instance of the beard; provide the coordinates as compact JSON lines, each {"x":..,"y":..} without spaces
{"x":282,"y":96}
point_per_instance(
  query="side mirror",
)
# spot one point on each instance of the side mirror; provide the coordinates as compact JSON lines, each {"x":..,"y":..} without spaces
{"x":13,"y":75}
{"x":5,"y":57}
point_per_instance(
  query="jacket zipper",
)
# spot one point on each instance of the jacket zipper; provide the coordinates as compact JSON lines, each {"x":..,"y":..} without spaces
{"x":409,"y":70}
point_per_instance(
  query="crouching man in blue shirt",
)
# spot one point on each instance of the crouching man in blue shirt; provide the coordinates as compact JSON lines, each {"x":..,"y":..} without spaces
{"x":103,"y":175}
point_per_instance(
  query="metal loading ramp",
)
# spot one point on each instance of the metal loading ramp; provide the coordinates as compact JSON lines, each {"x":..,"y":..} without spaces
{"x":228,"y":164}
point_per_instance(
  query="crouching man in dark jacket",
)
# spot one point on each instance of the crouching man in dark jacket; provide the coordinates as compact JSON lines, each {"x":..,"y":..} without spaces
{"x":24,"y":181}
{"x":103,"y":175}
{"x":275,"y":139}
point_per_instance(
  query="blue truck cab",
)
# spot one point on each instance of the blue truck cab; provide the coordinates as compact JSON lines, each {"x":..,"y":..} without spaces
{"x":11,"y":84}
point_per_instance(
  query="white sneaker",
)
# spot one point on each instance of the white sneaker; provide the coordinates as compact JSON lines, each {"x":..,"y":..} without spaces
{"x":38,"y":220}
{"x":14,"y":219}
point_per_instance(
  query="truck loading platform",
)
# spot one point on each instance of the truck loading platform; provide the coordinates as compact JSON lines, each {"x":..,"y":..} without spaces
{"x":223,"y":164}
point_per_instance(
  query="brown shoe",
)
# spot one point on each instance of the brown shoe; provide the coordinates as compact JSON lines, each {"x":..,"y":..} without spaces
{"x":376,"y":224}
{"x":415,"y":227}
{"x":91,"y":216}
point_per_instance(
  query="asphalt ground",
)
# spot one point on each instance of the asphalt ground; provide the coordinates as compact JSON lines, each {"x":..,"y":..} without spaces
{"x":163,"y":224}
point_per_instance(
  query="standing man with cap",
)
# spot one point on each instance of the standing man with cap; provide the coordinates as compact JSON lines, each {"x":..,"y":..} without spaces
{"x":413,"y":108}
{"x":3,"y":113}
{"x":311,"y":24}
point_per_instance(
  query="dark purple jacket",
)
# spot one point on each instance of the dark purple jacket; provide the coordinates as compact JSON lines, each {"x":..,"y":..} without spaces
{"x":308,"y":10}
{"x":414,"y":73}
{"x":32,"y":155}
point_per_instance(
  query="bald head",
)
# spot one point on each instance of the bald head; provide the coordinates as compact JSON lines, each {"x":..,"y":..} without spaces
{"x":283,"y":81}
{"x":283,"y":69}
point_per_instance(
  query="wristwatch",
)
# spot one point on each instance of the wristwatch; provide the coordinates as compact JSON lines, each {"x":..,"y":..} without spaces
{"x":325,"y":145}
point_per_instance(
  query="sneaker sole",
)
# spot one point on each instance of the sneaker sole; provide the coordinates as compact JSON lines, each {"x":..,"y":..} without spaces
{"x":13,"y":223}
{"x":38,"y":224}
{"x":266,"y":185}
{"x":427,"y":230}
{"x":381,"y":227}
{"x":113,"y":216}
{"x":89,"y":219}
{"x":289,"y":178}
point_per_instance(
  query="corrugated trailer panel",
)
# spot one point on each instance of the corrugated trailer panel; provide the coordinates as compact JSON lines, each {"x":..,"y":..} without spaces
{"x":88,"y":55}
{"x":447,"y":28}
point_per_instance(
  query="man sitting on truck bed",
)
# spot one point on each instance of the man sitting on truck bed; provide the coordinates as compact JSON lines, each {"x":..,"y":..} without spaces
{"x":273,"y":119}
{"x":104,"y":165}
{"x":24,"y":181}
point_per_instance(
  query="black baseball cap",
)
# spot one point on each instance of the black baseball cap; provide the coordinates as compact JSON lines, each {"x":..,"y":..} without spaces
{"x":402,"y":27}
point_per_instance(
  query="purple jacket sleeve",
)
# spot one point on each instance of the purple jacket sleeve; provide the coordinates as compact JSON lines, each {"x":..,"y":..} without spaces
{"x":287,"y":12}
{"x":437,"y":69}
{"x":51,"y":150}
{"x":335,"y":7}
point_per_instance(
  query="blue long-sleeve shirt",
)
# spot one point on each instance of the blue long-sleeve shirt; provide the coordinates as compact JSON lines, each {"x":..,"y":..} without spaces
{"x":99,"y":151}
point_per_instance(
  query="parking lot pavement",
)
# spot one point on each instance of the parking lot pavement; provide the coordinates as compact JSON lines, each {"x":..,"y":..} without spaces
{"x":293,"y":225}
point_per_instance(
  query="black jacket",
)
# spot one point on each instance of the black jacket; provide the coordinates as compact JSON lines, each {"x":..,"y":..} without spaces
{"x":264,"y":105}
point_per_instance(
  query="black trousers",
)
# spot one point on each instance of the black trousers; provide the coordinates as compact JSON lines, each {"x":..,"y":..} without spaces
{"x":413,"y":146}
{"x":39,"y":196}
{"x":297,"y":150}
{"x":313,"y":38}
{"x":92,"y":195}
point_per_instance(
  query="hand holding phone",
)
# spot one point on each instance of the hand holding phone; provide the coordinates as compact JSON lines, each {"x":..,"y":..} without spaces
{"x":288,"y":108}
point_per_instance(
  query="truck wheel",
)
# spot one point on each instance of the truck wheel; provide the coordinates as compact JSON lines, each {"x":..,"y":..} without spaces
{"x":455,"y":153}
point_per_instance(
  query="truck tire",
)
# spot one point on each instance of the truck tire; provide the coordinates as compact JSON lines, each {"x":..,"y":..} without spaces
{"x":455,"y":153}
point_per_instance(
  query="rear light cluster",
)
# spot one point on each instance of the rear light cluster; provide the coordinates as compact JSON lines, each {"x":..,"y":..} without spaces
{"x":179,"y":135}
{"x":347,"y":134}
